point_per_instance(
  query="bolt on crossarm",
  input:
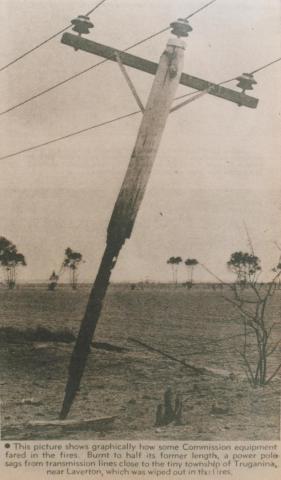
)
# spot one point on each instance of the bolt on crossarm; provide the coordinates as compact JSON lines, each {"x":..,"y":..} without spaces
{"x":129,"y":199}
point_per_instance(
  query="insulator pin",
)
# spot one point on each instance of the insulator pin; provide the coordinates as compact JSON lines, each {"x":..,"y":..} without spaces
{"x":180,"y":27}
{"x":246,"y":81}
{"x":82,"y":24}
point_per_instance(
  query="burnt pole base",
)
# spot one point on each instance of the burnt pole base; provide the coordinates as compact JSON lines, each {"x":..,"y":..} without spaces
{"x":88,"y":325}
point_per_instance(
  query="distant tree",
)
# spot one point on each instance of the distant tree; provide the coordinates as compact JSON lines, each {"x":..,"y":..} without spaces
{"x":246,"y":267}
{"x":53,"y":281}
{"x":174,"y":262}
{"x":10,"y":259}
{"x":190,"y":264}
{"x":72,"y":261}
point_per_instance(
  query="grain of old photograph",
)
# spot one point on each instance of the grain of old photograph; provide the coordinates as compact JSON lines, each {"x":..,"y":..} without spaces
{"x":140,"y":234}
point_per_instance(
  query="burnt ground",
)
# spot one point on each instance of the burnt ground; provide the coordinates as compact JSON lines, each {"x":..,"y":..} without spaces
{"x":197,"y":326}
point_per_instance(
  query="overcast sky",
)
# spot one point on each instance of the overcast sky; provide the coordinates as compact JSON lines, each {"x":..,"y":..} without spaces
{"x":218,"y":164}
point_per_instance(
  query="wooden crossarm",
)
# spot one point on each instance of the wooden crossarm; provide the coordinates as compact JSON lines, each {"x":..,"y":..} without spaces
{"x":80,"y":43}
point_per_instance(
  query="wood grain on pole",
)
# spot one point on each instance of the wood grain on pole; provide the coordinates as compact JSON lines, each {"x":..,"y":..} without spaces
{"x":148,"y":140}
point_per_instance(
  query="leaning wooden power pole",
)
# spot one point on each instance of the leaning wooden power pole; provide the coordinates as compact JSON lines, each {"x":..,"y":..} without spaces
{"x":128,"y":202}
{"x":168,"y":75}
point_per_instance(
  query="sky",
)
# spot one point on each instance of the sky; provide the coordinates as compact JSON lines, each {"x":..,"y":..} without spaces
{"x":218,"y":165}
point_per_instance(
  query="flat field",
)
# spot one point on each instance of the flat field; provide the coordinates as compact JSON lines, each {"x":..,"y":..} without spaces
{"x":198,"y":326}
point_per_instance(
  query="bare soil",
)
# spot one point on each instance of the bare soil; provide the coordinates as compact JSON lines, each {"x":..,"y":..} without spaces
{"x":195,"y":325}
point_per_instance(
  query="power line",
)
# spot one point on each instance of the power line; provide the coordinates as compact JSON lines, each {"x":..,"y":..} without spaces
{"x":232,"y":79}
{"x":78,"y":132}
{"x":78,"y":74}
{"x":49,"y":89}
{"x":47,"y":39}
{"x":265,"y":66}
{"x":57,"y":139}
{"x":107,"y":122}
{"x":83,"y":130}
{"x":168,"y":28}
{"x":200,"y":9}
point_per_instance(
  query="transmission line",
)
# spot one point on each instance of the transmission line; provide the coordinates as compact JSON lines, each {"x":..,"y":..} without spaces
{"x":232,"y":78}
{"x":72,"y":134}
{"x":78,"y":74}
{"x":265,"y":66}
{"x":48,"y":39}
{"x":63,"y":137}
{"x":92,"y":127}
{"x":113,"y":120}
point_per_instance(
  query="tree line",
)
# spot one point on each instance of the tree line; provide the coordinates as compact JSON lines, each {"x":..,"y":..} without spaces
{"x":11,"y":259}
{"x":190,"y":264}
